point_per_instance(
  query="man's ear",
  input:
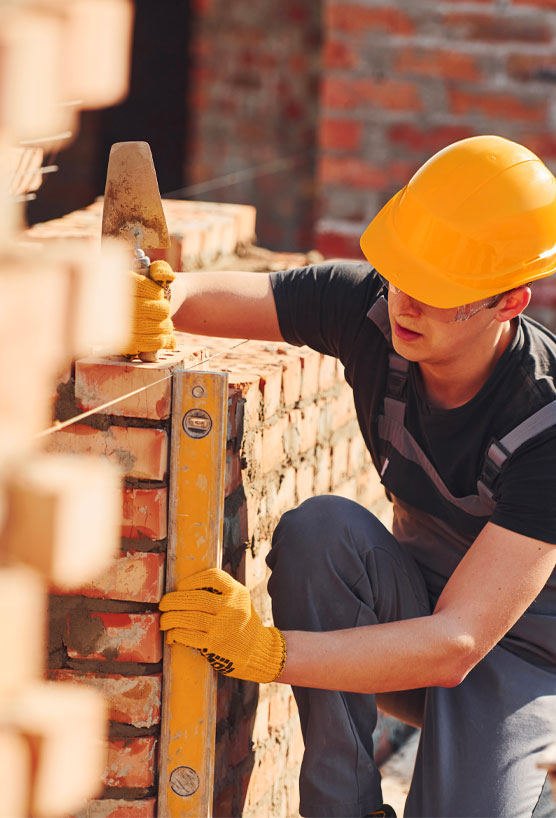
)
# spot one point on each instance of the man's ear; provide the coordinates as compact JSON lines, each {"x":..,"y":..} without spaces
{"x":513,"y":303}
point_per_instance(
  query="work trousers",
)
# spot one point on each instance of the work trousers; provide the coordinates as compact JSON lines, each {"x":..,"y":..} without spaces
{"x":335,"y":566}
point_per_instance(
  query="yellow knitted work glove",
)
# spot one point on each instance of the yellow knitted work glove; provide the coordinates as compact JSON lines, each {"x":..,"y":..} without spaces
{"x":213,"y":612}
{"x":152,"y":326}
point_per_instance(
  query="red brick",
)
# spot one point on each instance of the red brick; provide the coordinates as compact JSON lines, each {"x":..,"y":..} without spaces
{"x":223,"y":802}
{"x":436,"y":63}
{"x":100,"y":380}
{"x":339,"y":244}
{"x":427,"y":140}
{"x":273,"y":452}
{"x":351,"y":171}
{"x":132,"y":700}
{"x":240,"y":746}
{"x":136,"y":576}
{"x":502,"y":106}
{"x":119,"y":808}
{"x":531,"y":67}
{"x":116,"y":636}
{"x":131,"y":762}
{"x":491,"y":28}
{"x":337,"y":54}
{"x":144,"y":513}
{"x":233,"y":477}
{"x":140,"y":453}
{"x":247,"y":384}
{"x":340,"y":134}
{"x":341,"y":93}
{"x":353,"y":17}
{"x":542,"y":4}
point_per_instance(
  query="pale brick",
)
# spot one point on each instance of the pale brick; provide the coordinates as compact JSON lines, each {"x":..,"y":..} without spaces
{"x":22,"y":636}
{"x":342,"y":408}
{"x":310,"y":366}
{"x":291,"y":379}
{"x":136,"y":576}
{"x":305,"y":480}
{"x":144,"y":513}
{"x":323,"y":476}
{"x":271,"y":387}
{"x":281,"y":496}
{"x":131,"y":762}
{"x":309,"y":427}
{"x":348,"y":489}
{"x":273,"y":452}
{"x":327,"y":372}
{"x":134,"y":700}
{"x":296,"y":748}
{"x":140,"y":453}
{"x":15,"y":766}
{"x":116,"y":636}
{"x":339,"y":461}
{"x":292,"y":434}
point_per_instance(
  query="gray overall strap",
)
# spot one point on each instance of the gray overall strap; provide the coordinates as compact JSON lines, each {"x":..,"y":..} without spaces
{"x":394,"y":400}
{"x":500,"y":450}
{"x":405,"y":444}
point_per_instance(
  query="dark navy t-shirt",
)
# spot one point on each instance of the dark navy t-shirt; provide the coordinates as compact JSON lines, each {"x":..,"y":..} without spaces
{"x":325,"y":306}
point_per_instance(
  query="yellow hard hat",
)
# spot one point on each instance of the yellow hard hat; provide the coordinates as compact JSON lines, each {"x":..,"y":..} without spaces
{"x":477,"y":219}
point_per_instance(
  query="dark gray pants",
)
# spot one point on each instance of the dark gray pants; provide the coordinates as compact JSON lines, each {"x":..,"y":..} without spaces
{"x":335,"y":566}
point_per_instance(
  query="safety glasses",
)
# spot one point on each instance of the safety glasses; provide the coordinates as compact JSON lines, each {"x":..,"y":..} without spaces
{"x":449,"y":315}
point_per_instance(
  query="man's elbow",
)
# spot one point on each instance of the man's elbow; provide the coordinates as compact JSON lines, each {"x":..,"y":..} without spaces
{"x":461,"y":655}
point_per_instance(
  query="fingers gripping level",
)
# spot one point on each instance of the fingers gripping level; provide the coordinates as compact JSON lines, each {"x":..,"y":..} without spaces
{"x":213,"y":613}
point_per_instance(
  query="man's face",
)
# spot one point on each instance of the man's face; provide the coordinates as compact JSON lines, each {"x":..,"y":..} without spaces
{"x":429,"y":335}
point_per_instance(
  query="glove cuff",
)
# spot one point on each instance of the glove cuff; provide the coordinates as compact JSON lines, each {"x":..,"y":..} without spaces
{"x":266,"y":661}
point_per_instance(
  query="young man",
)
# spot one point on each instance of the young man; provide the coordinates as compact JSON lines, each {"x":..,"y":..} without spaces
{"x":451,"y":621}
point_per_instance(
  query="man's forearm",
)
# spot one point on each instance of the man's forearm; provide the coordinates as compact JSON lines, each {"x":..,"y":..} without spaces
{"x":226,"y":304}
{"x":403,"y":655}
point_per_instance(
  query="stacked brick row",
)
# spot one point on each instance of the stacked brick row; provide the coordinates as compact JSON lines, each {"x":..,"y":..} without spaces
{"x":291,"y":433}
{"x":402,"y":80}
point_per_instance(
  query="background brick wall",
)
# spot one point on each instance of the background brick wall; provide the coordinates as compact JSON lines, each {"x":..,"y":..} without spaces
{"x":402,"y":80}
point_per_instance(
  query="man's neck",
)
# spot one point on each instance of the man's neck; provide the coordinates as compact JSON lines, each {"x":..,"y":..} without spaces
{"x":452,"y":383}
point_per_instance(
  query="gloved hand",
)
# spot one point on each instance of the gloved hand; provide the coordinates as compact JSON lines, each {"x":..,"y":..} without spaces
{"x":213,"y":612}
{"x":152,"y":326}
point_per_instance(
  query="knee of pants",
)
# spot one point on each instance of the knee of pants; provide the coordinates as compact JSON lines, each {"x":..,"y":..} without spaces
{"x":324,"y":535}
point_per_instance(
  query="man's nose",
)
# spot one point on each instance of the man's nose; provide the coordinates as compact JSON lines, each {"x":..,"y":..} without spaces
{"x":406,"y":304}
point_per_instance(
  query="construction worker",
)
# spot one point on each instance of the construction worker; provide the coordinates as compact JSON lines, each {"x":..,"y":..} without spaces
{"x":449,"y":621}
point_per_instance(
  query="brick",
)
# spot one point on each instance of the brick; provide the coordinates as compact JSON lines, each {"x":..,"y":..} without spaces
{"x":347,"y":94}
{"x":100,"y":380}
{"x":360,"y":19}
{"x":63,"y":516}
{"x":339,"y":243}
{"x":528,"y":67}
{"x":223,"y":801}
{"x":543,"y":4}
{"x":233,"y":478}
{"x":323,"y":475}
{"x":426,"y":140}
{"x":136,"y":576}
{"x":437,"y":63}
{"x":358,"y":455}
{"x":248,"y":386}
{"x":305,"y":481}
{"x":15,"y":765}
{"x":144,"y":513}
{"x":271,"y":387}
{"x":327,"y":373}
{"x":308,"y":427}
{"x":502,"y":106}
{"x":342,"y":409}
{"x":273,"y":452}
{"x":310,"y":365}
{"x":119,"y":808}
{"x":348,"y":489}
{"x":340,"y":134}
{"x":291,"y":379}
{"x":22,"y":636}
{"x":369,"y":488}
{"x":491,"y":28}
{"x":296,"y":748}
{"x":115,"y":636}
{"x":131,"y":762}
{"x":339,"y":54}
{"x":134,"y":700}
{"x":240,"y":745}
{"x":261,"y":778}
{"x":281,"y":496}
{"x":278,"y":708}
{"x":339,"y":461}
{"x":359,"y":173}
{"x":292,"y":434}
{"x":140,"y":453}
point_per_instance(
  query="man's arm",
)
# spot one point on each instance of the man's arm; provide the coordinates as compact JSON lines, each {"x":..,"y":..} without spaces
{"x":226,"y":304}
{"x":499,"y":577}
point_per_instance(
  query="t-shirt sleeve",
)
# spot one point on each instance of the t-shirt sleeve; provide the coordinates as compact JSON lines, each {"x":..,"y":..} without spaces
{"x":324,"y":305}
{"x":526,"y":490}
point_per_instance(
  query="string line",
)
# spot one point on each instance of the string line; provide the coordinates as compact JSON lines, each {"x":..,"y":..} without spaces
{"x":97,"y":410}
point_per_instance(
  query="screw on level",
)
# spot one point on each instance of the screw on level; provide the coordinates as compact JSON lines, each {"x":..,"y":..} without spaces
{"x":198,"y":391}
{"x":184,"y":781}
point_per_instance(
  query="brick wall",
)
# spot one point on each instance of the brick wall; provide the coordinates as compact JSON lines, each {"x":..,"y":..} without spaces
{"x":291,"y":433}
{"x":255,"y":71}
{"x":402,"y":80}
